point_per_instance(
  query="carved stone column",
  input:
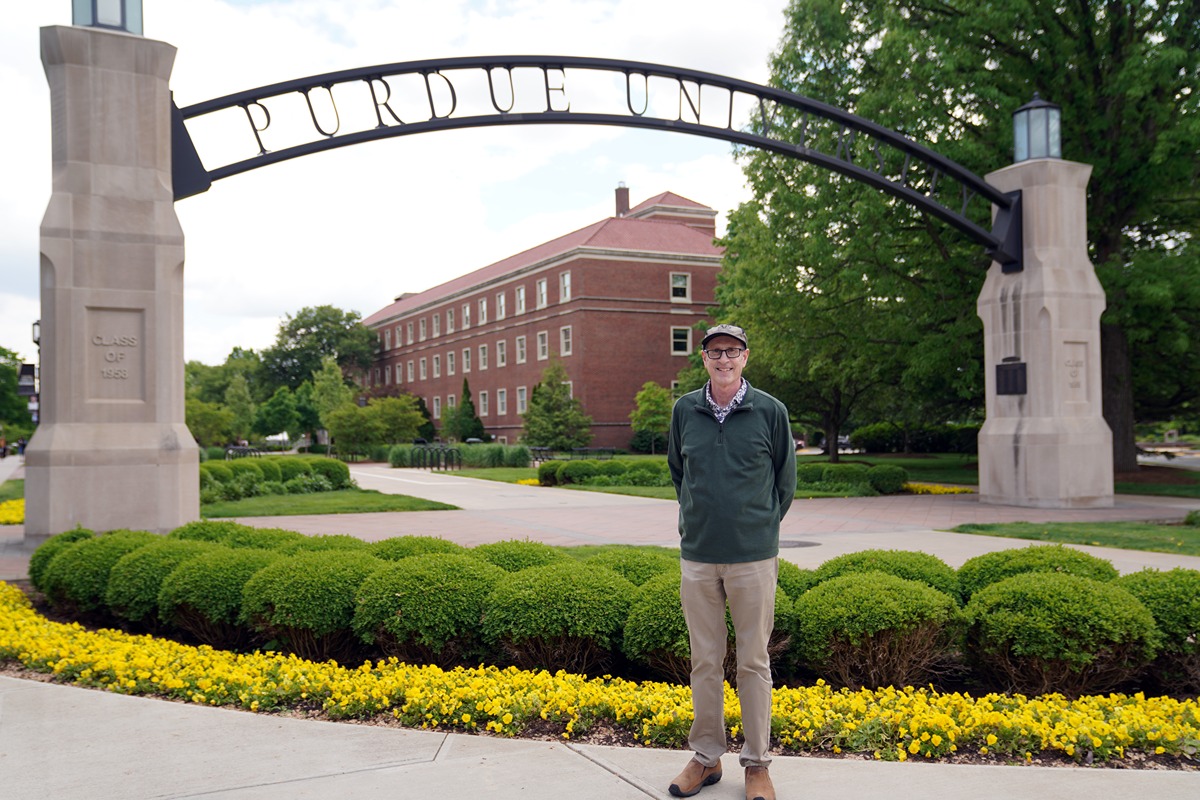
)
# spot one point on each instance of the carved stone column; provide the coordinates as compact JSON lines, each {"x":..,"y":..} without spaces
{"x":112,"y":449}
{"x":1045,"y":443}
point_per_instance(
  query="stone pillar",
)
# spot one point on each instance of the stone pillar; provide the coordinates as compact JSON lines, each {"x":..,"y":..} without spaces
{"x":1045,"y":443}
{"x":112,"y":449}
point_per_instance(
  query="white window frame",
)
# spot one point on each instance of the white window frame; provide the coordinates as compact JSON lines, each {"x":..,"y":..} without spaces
{"x":409,"y":369}
{"x":387,"y":339}
{"x":437,"y":325}
{"x":466,"y":319}
{"x":570,"y":388}
{"x":424,"y":368}
{"x":501,"y":402}
{"x":686,"y":297}
{"x":501,"y":306}
{"x":437,"y":366}
{"x":522,"y":399}
{"x":483,"y":357}
{"x":687,"y":351}
{"x":540,"y":294}
{"x":450,"y":403}
{"x":399,"y":374}
{"x":466,"y":360}
{"x":450,"y":362}
{"x":421,"y":329}
{"x":501,"y":353}
{"x":449,"y":320}
{"x":437,"y":407}
{"x":564,"y":286}
{"x":399,"y":338}
{"x":482,"y":311}
{"x":520,"y":304}
{"x":521,"y":350}
{"x":408,"y":328}
{"x":543,"y":345}
{"x":483,"y":403}
{"x":565,"y":344}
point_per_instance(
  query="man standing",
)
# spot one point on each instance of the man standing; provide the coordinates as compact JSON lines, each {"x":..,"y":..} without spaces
{"x":733,"y":463}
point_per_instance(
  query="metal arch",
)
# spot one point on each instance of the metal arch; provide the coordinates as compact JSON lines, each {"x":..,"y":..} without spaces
{"x":915,"y":183}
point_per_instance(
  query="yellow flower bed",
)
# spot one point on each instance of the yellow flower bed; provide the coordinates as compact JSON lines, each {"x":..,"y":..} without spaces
{"x":12,"y":512}
{"x":529,"y":482}
{"x":891,"y":724}
{"x":935,"y":488}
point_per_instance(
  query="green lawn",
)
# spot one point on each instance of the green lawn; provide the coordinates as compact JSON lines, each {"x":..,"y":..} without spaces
{"x":12,"y":490}
{"x":344,"y":501}
{"x":1156,"y":538}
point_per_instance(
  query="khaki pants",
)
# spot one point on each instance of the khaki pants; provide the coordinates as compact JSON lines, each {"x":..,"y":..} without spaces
{"x":750,"y":590}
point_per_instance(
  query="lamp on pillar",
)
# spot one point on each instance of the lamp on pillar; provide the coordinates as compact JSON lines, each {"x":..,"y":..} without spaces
{"x":115,"y":15}
{"x":1037,"y":130}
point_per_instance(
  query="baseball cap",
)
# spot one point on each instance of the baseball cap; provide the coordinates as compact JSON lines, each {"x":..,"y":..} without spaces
{"x":725,"y":330}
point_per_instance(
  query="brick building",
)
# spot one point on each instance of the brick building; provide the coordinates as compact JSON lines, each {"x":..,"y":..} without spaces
{"x":616,"y":302}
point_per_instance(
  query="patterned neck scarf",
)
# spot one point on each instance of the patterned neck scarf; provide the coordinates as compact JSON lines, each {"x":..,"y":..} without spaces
{"x":720,"y":411}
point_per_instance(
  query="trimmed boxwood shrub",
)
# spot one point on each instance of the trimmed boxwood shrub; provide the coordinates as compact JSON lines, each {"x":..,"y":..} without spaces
{"x":324,"y":542}
{"x":400,"y":455}
{"x":1041,"y":632}
{"x":810,"y":472}
{"x":399,"y":547}
{"x":847,"y":474}
{"x":47,"y":550}
{"x":292,"y":466}
{"x":513,"y":555}
{"x":560,"y":616}
{"x":613,"y":469}
{"x":575,"y":472}
{"x":887,"y":478}
{"x":908,"y":564}
{"x":634,"y":564}
{"x":235,"y":534}
{"x":426,"y":608}
{"x":793,"y":580}
{"x":270,"y":469}
{"x":874,"y":629}
{"x":334,"y":471}
{"x":647,"y":473}
{"x":989,"y":568}
{"x":1173,"y":598}
{"x":218,"y":470}
{"x":246,"y":466}
{"x":547,"y":472}
{"x":305,"y":602}
{"x":206,"y":530}
{"x":203,"y":596}
{"x":76,"y":580}
{"x":136,"y":579}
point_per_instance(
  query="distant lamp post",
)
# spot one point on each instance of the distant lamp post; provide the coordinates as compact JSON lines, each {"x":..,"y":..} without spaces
{"x":114,"y":15}
{"x":1037,"y":130}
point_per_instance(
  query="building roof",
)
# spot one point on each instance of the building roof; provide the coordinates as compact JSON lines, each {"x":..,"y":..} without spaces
{"x":614,"y":233}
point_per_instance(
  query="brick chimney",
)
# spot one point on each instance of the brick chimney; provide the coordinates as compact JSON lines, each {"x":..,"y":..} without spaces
{"x":622,"y":199}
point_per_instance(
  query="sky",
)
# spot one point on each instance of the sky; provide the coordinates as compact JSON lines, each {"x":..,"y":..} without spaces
{"x":356,"y":226}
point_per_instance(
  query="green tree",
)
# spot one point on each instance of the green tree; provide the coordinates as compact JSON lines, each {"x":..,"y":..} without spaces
{"x":329,"y":389}
{"x":354,"y":428}
{"x":553,"y":418}
{"x":210,"y":424}
{"x":308,"y":418}
{"x":15,"y":420}
{"x":949,"y":73}
{"x":426,"y":431}
{"x":313,"y":333}
{"x":651,"y":416}
{"x":399,"y":418}
{"x":278,"y":414}
{"x":240,"y":405}
{"x":463,"y":422}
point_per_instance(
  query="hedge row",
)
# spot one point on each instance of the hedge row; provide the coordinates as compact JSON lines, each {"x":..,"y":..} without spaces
{"x":1037,"y":620}
{"x":884,"y":437}
{"x":860,"y":478}
{"x":473,"y":456}
{"x":250,"y":477}
{"x":590,"y":472}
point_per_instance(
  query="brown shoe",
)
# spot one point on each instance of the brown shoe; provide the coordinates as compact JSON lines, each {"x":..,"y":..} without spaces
{"x":758,"y":784}
{"x":695,"y":776}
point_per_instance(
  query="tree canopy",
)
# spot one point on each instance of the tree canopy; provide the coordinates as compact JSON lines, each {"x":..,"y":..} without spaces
{"x":311,"y":335}
{"x":553,"y":418}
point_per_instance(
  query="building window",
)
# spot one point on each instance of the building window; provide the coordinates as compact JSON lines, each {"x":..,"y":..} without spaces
{"x":421,"y":329}
{"x":520,"y":309}
{"x":437,"y":325}
{"x":409,"y":368}
{"x":450,"y":363}
{"x":387,"y":376}
{"x":437,"y":408}
{"x":502,"y":353}
{"x":449,"y":403}
{"x":570,"y":388}
{"x":408,"y":330}
{"x":681,"y":341}
{"x":377,"y":376}
{"x":482,"y":357}
{"x":564,"y":340}
{"x":466,"y":315}
{"x":398,"y":337}
{"x":483,"y":404}
{"x":424,"y":369}
{"x":501,"y":402}
{"x":522,"y":403}
{"x":564,"y":286}
{"x":543,"y":345}
{"x":500,"y":306}
{"x":520,"y":349}
{"x":466,"y":359}
{"x":482,"y":310}
{"x":675,"y":393}
{"x":681,"y":287}
{"x":449,"y":320}
{"x":387,"y":339}
{"x":437,"y":366}
{"x":398,"y":378}
{"x":541,"y":293}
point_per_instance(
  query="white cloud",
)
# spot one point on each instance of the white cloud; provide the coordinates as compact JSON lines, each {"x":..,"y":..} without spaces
{"x":356,"y":226}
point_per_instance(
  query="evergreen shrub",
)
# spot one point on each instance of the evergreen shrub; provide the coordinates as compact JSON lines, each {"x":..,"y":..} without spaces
{"x":47,"y":550}
{"x":215,"y":453}
{"x":203,"y":596}
{"x":206,"y":530}
{"x":400,"y":455}
{"x":136,"y":579}
{"x":634,"y":564}
{"x":612,"y":469}
{"x":848,"y":474}
{"x":292,"y":466}
{"x":399,"y":547}
{"x":305,"y":602}
{"x":517,"y":455}
{"x":563,"y":615}
{"x":887,"y":478}
{"x":426,"y":609}
{"x":270,"y":469}
{"x":333,"y":470}
{"x":989,"y":568}
{"x":308,"y":483}
{"x":76,"y":580}
{"x":547,"y":472}
{"x":795,"y":581}
{"x":875,"y":629}
{"x":1173,"y":598}
{"x":513,"y":555}
{"x":647,"y":473}
{"x":908,"y":564}
{"x":810,"y":472}
{"x":575,"y":472}
{"x":324,"y":542}
{"x":1040,"y":632}
{"x":246,"y":466}
{"x":218,"y":470}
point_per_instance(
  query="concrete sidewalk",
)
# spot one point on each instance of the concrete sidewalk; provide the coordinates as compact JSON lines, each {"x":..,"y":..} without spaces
{"x":67,"y":742}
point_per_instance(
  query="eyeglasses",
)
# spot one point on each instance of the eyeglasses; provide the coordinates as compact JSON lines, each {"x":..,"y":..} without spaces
{"x":730,"y":353}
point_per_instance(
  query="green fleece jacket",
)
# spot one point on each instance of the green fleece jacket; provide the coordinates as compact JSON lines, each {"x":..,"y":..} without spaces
{"x":735,"y":480}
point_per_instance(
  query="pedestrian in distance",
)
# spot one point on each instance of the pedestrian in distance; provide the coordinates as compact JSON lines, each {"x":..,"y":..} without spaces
{"x":733,"y":462}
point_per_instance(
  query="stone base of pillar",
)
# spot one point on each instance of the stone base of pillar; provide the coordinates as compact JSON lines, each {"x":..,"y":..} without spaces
{"x":117,"y":475}
{"x":1046,"y":462}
